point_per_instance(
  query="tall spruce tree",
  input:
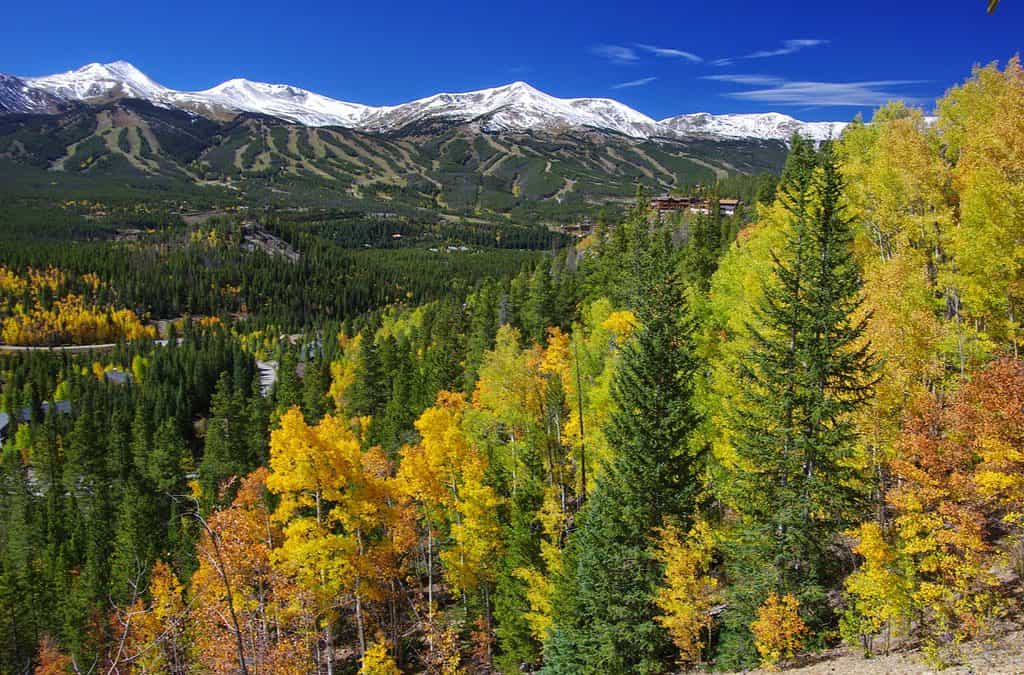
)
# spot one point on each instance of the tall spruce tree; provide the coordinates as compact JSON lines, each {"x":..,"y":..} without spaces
{"x":808,"y":372}
{"x":604,"y":609}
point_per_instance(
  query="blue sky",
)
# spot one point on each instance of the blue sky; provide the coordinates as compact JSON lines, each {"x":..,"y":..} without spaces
{"x":815,"y":60}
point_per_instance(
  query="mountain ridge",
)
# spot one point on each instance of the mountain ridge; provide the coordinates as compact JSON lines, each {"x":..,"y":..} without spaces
{"x":514,"y":107}
{"x":435,"y":165}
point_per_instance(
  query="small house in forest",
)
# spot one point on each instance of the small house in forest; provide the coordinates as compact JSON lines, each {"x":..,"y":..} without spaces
{"x":728,"y":207}
{"x":24,"y":416}
{"x":58,"y":408}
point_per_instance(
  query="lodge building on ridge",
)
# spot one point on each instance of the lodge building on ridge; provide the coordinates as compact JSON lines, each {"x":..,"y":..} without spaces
{"x":670,"y":204}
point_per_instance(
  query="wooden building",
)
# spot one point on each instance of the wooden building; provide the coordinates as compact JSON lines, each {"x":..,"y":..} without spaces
{"x":728,"y":207}
{"x":670,"y":204}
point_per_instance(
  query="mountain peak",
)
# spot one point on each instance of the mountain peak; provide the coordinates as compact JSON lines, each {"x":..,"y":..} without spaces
{"x":125,"y":68}
{"x":117,"y":79}
{"x":520,"y":86}
{"x":514,"y":107}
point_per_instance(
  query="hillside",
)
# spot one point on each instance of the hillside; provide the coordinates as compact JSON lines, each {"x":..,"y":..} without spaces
{"x":458,"y":168}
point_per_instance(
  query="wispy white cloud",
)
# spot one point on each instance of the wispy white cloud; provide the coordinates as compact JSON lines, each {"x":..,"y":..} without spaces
{"x":780,"y":91}
{"x":616,"y":53}
{"x":754,"y":80}
{"x":634,"y":83}
{"x":671,"y":53}
{"x":788,"y":47}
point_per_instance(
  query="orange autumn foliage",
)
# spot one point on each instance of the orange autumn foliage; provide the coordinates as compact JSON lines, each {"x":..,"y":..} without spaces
{"x":152,"y":636}
{"x":778,"y":631}
{"x":958,"y":488}
{"x":50,"y":660}
{"x":278,"y":633}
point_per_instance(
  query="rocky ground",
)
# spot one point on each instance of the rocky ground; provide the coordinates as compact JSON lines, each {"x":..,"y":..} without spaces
{"x":1001,"y":655}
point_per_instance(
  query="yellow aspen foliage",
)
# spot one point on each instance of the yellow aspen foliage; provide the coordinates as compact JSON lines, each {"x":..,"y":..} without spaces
{"x":71,"y":321}
{"x":898,"y":194}
{"x":593,"y":349}
{"x":154,"y":635}
{"x":166,"y":592}
{"x":621,"y":325}
{"x":778,"y":630}
{"x":552,"y":518}
{"x":982,"y":124}
{"x":989,"y":418}
{"x":476,"y":532}
{"x":140,"y":364}
{"x":50,"y":279}
{"x":508,"y":388}
{"x":343,"y":372}
{"x":688,"y":592}
{"x":735,"y":291}
{"x":508,"y":405}
{"x":92,"y":281}
{"x":10,"y":283}
{"x":346,"y":528}
{"x":430,"y":471}
{"x":540,"y":585}
{"x":54,"y":316}
{"x":940,"y":524}
{"x":444,"y":473}
{"x":879,"y":593}
{"x":311,"y":465}
{"x":557,"y":356}
{"x":539,"y":589}
{"x":378,"y":661}
{"x":446,"y":659}
{"x":310,"y":469}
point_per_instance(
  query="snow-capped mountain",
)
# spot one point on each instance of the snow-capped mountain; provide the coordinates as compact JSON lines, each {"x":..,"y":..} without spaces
{"x":515,"y":107}
{"x":99,"y":81}
{"x":768,"y":126}
{"x":17,"y":96}
{"x":277,"y":100}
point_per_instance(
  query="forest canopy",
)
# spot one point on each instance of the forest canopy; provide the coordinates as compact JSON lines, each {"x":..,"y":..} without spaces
{"x":715,"y":443}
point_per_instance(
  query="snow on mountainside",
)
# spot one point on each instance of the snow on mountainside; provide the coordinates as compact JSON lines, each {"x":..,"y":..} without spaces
{"x":102,"y":81}
{"x":515,"y":107}
{"x":511,"y":108}
{"x":17,"y":96}
{"x":773,"y":126}
{"x":278,"y":100}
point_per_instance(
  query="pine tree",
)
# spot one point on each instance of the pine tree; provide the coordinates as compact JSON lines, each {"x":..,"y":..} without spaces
{"x":522,"y":550}
{"x":808,"y":372}
{"x":605,"y":601}
{"x":484,"y":320}
{"x":315,"y":382}
{"x":288,"y":389}
{"x":368,"y":394}
{"x":216,"y":465}
{"x":703,"y":248}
